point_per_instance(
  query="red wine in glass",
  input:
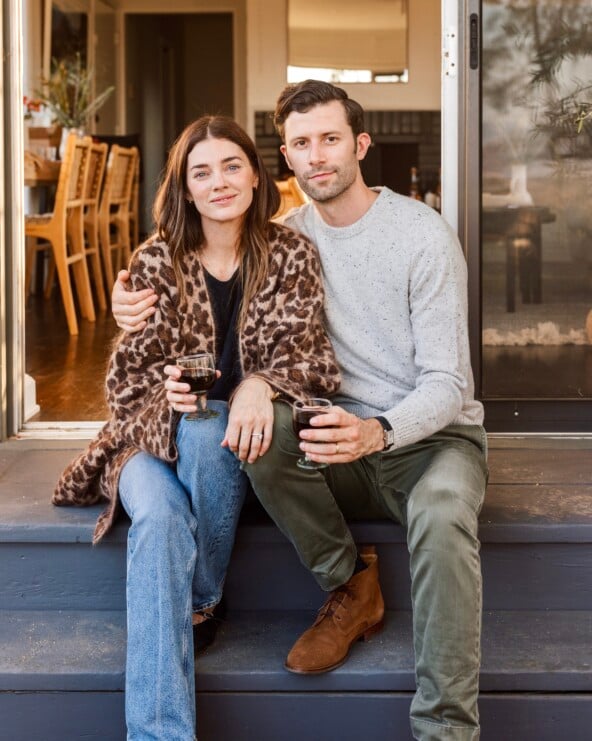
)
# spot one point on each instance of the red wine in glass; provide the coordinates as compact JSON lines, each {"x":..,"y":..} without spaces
{"x":301,"y":420}
{"x":302,"y":412}
{"x":199,"y":371}
{"x":199,"y":379}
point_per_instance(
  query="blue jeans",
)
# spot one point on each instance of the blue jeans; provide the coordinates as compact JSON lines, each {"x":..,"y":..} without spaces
{"x":179,"y":546}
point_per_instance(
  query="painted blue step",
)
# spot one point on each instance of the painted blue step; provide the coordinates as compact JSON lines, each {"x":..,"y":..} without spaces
{"x":537,"y":541}
{"x":523,"y":651}
{"x":89,"y":716}
{"x":61,"y":679}
{"x":265,"y":572}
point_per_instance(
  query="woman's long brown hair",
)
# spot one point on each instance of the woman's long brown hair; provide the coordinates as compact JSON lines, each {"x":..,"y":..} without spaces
{"x":178,"y":222}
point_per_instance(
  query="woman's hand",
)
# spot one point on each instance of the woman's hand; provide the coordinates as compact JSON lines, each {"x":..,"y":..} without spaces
{"x":250,"y":421}
{"x":131,"y":308}
{"x":178,"y":393}
{"x":341,"y":437}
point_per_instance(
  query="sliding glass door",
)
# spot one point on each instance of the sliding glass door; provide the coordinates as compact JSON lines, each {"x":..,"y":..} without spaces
{"x":535,"y":214}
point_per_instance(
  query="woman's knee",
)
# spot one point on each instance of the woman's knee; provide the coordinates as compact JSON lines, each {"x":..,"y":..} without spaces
{"x":151,"y":492}
{"x":193,"y":436}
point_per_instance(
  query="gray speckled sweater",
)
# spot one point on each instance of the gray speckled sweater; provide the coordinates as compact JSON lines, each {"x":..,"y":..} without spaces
{"x":396,"y":307}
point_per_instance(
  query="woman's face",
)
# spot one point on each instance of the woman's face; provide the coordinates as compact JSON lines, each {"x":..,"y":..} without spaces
{"x":220,"y":180}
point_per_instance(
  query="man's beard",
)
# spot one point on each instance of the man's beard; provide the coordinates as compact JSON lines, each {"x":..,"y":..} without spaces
{"x":343,"y":179}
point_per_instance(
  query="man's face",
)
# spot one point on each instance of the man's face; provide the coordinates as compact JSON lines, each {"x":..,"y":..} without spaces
{"x":321,"y":150}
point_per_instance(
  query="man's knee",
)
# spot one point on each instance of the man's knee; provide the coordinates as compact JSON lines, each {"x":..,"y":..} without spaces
{"x":283,"y":447}
{"x":442,"y":523}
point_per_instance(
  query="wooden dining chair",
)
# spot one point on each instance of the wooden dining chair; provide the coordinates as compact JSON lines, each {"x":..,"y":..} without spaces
{"x":291,"y":195}
{"x":92,"y":196}
{"x":135,"y":206}
{"x":114,"y":211}
{"x":63,"y":230}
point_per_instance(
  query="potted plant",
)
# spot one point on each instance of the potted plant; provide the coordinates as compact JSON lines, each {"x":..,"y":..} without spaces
{"x":67,"y":94}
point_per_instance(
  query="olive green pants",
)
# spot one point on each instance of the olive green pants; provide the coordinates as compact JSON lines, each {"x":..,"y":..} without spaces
{"x":435,"y":488}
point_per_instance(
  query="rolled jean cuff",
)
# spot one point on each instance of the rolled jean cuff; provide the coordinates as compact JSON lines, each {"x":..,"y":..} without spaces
{"x":208,"y":606}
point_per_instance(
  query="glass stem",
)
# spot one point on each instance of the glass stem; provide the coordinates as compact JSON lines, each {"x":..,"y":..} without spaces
{"x":202,"y":402}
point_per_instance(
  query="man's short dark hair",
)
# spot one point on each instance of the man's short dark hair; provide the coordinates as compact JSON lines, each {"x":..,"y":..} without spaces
{"x":302,"y":96}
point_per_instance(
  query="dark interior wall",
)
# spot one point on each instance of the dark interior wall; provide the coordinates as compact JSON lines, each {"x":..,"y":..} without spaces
{"x":178,"y":66}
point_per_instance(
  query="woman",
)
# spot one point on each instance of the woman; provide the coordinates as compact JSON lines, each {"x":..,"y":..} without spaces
{"x":232,"y":283}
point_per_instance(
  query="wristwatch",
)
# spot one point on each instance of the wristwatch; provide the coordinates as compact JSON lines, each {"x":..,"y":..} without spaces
{"x":388,"y":434}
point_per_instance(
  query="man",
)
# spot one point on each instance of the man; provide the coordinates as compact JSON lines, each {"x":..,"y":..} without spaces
{"x":404,"y":437}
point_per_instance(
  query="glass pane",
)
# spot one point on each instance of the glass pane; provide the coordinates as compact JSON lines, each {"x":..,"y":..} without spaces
{"x":536,"y":199}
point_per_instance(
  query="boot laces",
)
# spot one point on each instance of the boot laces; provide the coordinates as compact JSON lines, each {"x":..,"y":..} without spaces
{"x":337,"y":598}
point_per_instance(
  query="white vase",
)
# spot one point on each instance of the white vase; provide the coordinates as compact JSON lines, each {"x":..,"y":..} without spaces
{"x":519,"y":195}
{"x":64,"y":139}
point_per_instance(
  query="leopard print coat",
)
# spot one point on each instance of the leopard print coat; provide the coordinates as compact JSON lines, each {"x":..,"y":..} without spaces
{"x":282,"y":341}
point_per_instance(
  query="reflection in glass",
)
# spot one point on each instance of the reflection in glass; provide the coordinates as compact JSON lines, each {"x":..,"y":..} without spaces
{"x":537,"y":188}
{"x":337,"y":41}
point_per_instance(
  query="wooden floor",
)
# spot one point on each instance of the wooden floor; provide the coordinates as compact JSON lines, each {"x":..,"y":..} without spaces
{"x":68,"y":370}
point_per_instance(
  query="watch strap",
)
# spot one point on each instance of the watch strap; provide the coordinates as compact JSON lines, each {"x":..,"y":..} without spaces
{"x":388,"y":436}
{"x":386,"y":425}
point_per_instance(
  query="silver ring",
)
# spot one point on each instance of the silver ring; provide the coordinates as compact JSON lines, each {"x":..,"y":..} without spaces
{"x":257,"y":434}
{"x":336,"y":448}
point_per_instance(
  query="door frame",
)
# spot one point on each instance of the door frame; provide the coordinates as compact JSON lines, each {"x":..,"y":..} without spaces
{"x":511,"y":416}
{"x":12,"y":327}
{"x":12,"y":303}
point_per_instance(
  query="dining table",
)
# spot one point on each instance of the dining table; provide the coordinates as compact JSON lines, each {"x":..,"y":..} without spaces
{"x":40,"y":171}
{"x":40,"y":177}
{"x":521,"y":229}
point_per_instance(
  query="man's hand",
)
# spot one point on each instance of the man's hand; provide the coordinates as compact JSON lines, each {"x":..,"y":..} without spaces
{"x":341,"y":437}
{"x":250,"y":421}
{"x":131,"y":308}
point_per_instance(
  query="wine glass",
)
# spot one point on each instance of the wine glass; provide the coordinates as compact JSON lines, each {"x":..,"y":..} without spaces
{"x":199,"y":371}
{"x":302,"y":412}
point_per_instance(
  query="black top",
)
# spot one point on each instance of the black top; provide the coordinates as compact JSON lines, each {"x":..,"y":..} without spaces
{"x":225,"y":296}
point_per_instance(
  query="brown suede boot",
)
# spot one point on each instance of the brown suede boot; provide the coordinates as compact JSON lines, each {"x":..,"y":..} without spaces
{"x":353,"y":611}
